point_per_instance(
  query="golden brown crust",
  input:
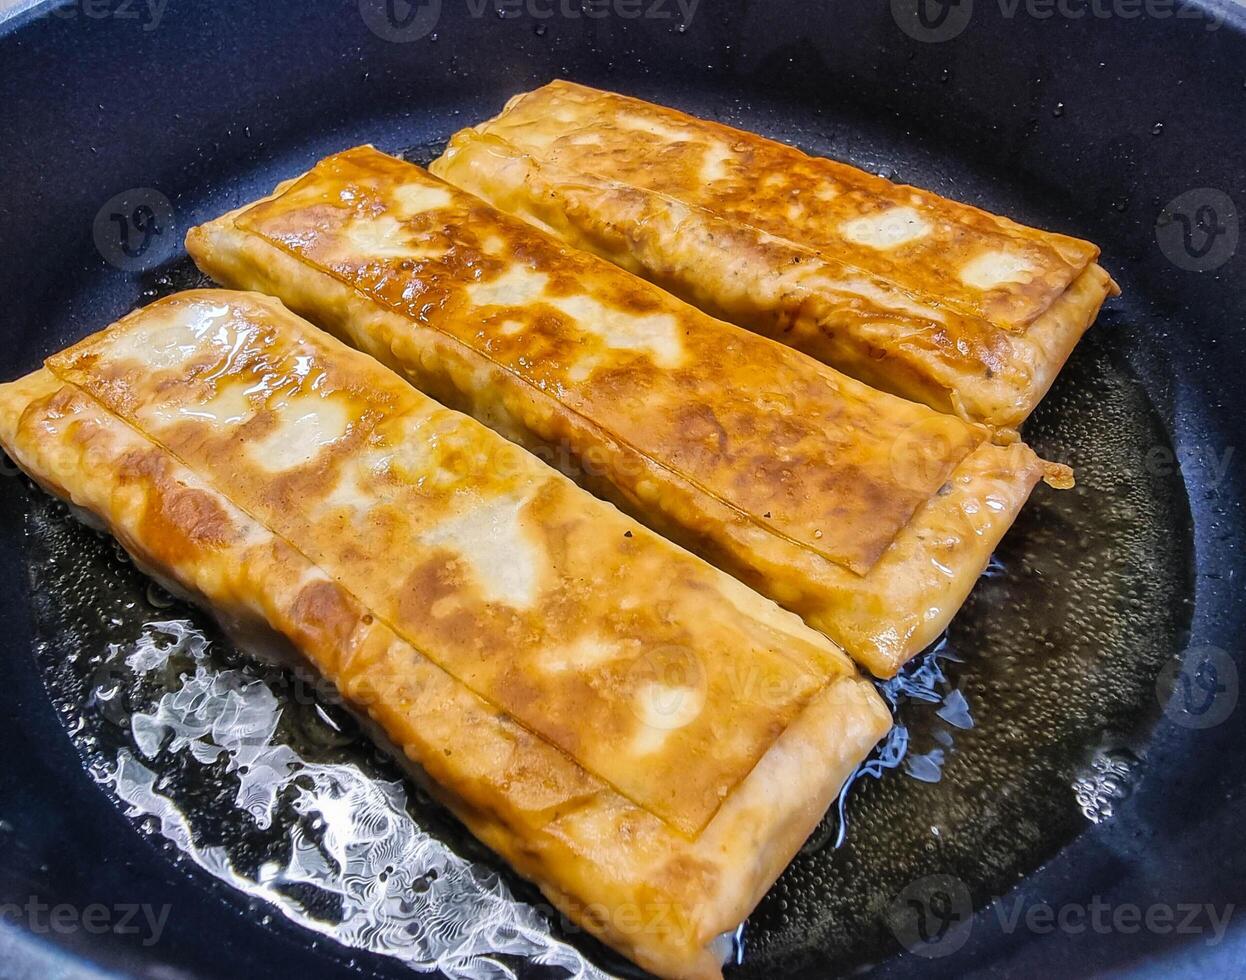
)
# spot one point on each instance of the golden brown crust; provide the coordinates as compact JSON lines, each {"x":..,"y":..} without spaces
{"x":315,"y":440}
{"x":677,"y":444}
{"x":198,"y":431}
{"x":912,"y":293}
{"x":671,"y":384}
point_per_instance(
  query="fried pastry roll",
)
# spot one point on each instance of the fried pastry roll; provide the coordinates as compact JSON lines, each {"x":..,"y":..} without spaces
{"x":639,"y":734}
{"x":910,"y":292}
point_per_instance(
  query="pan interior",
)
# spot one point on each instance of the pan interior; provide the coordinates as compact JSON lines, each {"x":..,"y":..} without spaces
{"x":1025,"y":724}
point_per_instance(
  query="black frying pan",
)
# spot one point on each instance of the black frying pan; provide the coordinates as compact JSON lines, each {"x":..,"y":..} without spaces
{"x":1037,"y":791}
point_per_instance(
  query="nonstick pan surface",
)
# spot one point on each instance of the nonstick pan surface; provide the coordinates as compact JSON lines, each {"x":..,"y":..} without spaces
{"x":1068,"y":758}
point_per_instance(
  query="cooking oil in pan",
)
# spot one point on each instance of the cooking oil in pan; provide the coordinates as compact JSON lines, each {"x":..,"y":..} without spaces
{"x":1025,"y":721}
{"x":258,"y":776}
{"x":1030,"y":718}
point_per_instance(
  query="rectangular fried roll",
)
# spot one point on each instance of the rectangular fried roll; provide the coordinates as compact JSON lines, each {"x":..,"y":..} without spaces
{"x":636,"y":732}
{"x":868,"y":515}
{"x":910,"y":292}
